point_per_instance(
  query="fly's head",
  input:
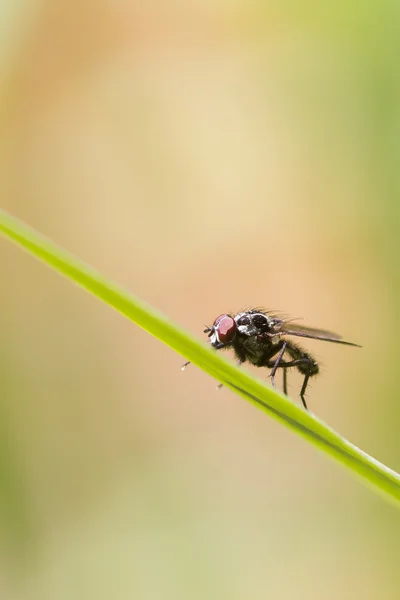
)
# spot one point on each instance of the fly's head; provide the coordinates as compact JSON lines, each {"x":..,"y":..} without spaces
{"x":223,"y":331}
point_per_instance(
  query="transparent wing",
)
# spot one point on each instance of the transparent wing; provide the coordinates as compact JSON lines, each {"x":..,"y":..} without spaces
{"x":311,"y":332}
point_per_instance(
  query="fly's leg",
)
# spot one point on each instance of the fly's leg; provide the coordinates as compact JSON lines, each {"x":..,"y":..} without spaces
{"x":303,"y":389}
{"x":285,"y":381}
{"x":305,"y":364}
{"x":307,"y":367}
{"x":277,"y":364}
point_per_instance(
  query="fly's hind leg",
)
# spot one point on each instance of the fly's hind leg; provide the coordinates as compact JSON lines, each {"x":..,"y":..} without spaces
{"x":303,"y":389}
{"x":285,"y":381}
{"x":305,"y":364}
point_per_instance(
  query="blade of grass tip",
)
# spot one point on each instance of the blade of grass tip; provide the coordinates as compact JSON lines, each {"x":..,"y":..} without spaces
{"x":374,"y":473}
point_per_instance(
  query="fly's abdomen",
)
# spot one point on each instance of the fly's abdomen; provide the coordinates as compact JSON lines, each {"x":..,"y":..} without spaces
{"x":306,"y":365}
{"x":309,"y":366}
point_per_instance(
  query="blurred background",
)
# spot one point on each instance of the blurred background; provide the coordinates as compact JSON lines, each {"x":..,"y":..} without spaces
{"x":208,"y":156}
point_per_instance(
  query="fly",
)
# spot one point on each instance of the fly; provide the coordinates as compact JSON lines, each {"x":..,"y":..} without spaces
{"x":261,"y":339}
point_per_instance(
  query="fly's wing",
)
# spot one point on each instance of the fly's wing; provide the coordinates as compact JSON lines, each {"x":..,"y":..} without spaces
{"x":311,"y":332}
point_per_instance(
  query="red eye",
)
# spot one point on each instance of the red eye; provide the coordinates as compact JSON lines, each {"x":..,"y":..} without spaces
{"x":225,"y":327}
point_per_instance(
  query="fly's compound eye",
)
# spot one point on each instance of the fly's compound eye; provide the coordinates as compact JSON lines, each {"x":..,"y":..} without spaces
{"x":225,"y":329}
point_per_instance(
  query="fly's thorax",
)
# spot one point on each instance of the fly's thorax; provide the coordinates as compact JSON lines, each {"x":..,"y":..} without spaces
{"x":253,"y":323}
{"x":254,"y":335}
{"x":251,"y":348}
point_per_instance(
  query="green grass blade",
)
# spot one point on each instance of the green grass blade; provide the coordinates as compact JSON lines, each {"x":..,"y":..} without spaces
{"x":377,"y":475}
